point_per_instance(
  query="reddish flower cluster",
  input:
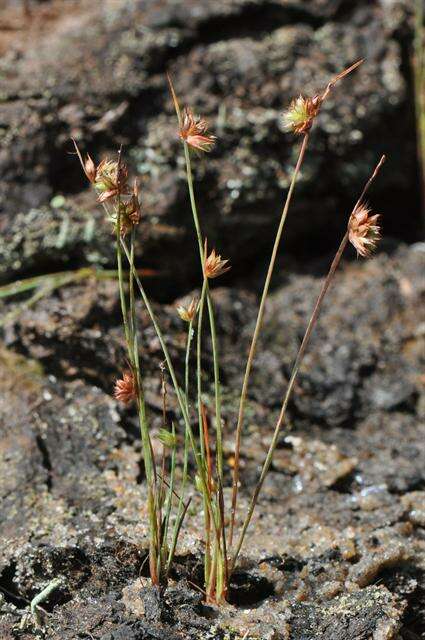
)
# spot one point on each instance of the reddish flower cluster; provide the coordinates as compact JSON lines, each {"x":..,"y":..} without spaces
{"x":193,"y":130}
{"x":214,"y":265}
{"x":110,"y":179}
{"x":125,"y":389}
{"x":363,"y":232}
{"x":130,"y":211}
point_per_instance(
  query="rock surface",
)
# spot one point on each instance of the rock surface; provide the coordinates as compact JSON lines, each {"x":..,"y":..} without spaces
{"x":336,"y":546}
{"x":337,"y":542}
{"x":97,"y":72}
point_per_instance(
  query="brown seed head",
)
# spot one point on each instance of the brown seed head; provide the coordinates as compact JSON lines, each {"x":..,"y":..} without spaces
{"x":194,"y":131}
{"x":363,"y":232}
{"x":302,"y":111}
{"x":111,"y":179}
{"x":125,"y":388}
{"x":188,"y":313}
{"x":214,"y":265}
{"x":130,"y":212}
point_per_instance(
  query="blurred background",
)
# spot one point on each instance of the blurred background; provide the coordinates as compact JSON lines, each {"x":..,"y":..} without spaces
{"x":96,"y":71}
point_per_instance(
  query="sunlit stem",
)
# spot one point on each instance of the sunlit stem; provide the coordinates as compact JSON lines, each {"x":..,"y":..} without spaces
{"x":256,"y":334}
{"x":205,"y":494}
{"x":153,"y":505}
{"x":179,"y":393}
{"x":217,"y":385}
{"x":121,"y":284}
{"x":298,"y":361}
{"x":181,"y":507}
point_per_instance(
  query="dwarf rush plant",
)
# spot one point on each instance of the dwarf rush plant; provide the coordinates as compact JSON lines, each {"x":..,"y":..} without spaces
{"x":194,"y":441}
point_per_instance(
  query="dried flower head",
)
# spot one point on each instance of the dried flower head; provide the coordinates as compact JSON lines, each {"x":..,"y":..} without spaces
{"x":125,"y":388}
{"x":363,"y":232}
{"x":301,"y":113}
{"x":188,"y":313}
{"x":109,"y":178}
{"x":130,"y":212}
{"x":194,"y":131}
{"x":214,"y":265}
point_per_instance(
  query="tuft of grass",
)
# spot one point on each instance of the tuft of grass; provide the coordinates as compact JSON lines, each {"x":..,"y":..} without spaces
{"x":167,"y":498}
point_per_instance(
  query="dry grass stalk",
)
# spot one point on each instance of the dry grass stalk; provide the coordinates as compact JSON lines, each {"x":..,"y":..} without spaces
{"x":299,"y":117}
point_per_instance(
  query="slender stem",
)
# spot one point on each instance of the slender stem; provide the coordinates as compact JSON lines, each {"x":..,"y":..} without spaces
{"x":205,"y":489}
{"x":187,"y":362}
{"x":256,"y":334}
{"x":223,"y":536}
{"x":206,"y":495}
{"x":132,"y":323}
{"x":217,"y":385}
{"x":176,"y":534}
{"x":217,"y":388}
{"x":210,"y":567}
{"x":121,"y":283}
{"x":296,"y":367}
{"x":134,"y":356}
{"x":193,"y":203}
{"x":161,"y":491}
{"x":199,"y":365}
{"x":180,"y":396}
{"x":299,"y":358}
{"x":181,"y":508}
{"x":170,"y":492}
{"x":154,"y":502}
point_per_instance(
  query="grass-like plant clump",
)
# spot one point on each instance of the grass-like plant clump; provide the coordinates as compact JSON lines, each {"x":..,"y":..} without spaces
{"x":191,"y":443}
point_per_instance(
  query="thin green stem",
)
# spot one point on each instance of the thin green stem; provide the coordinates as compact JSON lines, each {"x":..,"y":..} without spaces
{"x":190,"y":332}
{"x":257,"y":331}
{"x":206,"y":294}
{"x":170,"y":492}
{"x":199,"y":365}
{"x":217,"y":384}
{"x":132,"y":325}
{"x":153,"y":506}
{"x":189,"y":177}
{"x":181,"y":507}
{"x":202,"y":258}
{"x":205,"y":494}
{"x":121,"y":284}
{"x":179,"y":394}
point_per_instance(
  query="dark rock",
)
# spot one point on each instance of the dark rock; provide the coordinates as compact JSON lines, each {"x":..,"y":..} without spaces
{"x":340,"y":509}
{"x":359,"y":616}
{"x":99,"y":75}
